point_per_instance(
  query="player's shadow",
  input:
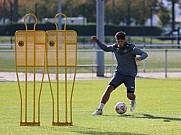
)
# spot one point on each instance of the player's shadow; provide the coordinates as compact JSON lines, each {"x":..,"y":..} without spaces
{"x":150,"y":116}
{"x":166,"y":119}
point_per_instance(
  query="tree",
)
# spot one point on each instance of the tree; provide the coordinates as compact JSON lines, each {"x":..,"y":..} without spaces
{"x":15,"y":11}
{"x":116,"y":11}
{"x":85,"y":8}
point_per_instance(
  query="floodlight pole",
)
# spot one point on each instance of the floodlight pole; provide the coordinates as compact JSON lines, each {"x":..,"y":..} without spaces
{"x":4,"y":11}
{"x":100,"y":35}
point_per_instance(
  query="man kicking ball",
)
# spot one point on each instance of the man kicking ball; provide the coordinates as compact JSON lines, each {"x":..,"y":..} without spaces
{"x":127,"y":55}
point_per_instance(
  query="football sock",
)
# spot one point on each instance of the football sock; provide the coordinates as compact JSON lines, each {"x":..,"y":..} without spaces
{"x":101,"y":106}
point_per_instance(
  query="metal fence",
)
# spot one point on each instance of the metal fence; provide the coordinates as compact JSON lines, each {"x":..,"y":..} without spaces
{"x":159,"y":60}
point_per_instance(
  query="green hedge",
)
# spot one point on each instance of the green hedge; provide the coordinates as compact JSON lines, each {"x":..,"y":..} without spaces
{"x":85,"y":30}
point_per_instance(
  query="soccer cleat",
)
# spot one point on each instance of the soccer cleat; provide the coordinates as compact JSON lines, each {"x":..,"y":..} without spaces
{"x":133,"y":105}
{"x":97,"y":112}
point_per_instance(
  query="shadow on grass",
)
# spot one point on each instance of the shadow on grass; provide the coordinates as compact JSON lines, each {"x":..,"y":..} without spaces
{"x":166,"y":119}
{"x":148,"y":116}
{"x":94,"y":131}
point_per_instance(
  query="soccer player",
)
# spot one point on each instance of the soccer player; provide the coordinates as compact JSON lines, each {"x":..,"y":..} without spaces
{"x":127,"y":55}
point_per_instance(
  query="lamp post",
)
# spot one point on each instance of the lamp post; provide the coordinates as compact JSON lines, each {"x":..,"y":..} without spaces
{"x":11,"y":19}
{"x":59,"y":17}
{"x":36,"y":10}
{"x":128,"y":13}
{"x":4,"y":11}
{"x":144,"y":12}
{"x":151,"y":20}
{"x":173,"y":15}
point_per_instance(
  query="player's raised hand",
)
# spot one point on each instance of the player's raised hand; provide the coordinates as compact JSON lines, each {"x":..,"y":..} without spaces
{"x":94,"y":38}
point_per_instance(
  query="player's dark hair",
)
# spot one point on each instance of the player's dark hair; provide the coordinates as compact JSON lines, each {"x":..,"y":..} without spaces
{"x":120,"y":35}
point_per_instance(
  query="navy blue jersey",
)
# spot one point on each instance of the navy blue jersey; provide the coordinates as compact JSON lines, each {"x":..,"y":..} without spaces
{"x":125,"y":57}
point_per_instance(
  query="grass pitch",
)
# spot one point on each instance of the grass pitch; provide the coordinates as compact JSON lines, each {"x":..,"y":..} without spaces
{"x":158,"y":110}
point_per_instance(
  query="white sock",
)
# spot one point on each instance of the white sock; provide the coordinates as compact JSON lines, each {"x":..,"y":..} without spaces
{"x":101,"y":106}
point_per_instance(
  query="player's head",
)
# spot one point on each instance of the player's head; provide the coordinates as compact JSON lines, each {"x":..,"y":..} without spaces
{"x":120,"y":38}
{"x":120,"y":35}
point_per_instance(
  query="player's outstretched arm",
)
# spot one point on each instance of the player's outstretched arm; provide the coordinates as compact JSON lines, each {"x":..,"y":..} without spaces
{"x":101,"y":45}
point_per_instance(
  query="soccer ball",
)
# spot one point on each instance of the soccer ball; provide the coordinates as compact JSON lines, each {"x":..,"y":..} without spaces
{"x":120,"y":107}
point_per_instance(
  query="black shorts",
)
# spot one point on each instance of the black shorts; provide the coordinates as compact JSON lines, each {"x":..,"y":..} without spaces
{"x":129,"y":82}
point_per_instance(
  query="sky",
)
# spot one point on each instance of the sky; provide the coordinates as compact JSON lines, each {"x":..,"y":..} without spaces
{"x":177,"y":10}
{"x":156,"y":20}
